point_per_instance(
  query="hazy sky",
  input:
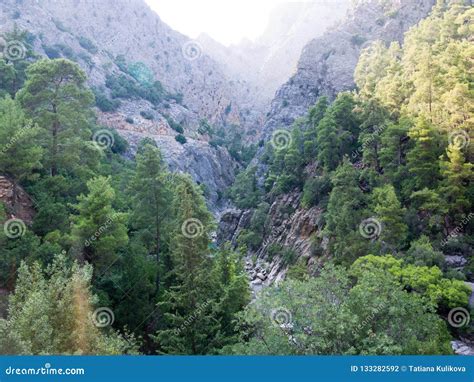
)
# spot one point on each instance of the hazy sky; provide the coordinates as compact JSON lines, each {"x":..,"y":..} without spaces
{"x":227,"y":21}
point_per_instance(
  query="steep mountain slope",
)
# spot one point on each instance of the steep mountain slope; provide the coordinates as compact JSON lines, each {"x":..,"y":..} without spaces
{"x":269,"y":61}
{"x":327,"y":64}
{"x":118,"y":40}
{"x":326,"y":67}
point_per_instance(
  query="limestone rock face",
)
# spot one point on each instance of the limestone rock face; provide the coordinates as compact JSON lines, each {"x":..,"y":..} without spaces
{"x":267,"y":63}
{"x":94,"y":33}
{"x":327,"y":63}
{"x":463,"y":347}
{"x":129,"y":28}
{"x":231,"y":222}
{"x":326,"y":67}
{"x":209,"y":166}
{"x":17,"y":202}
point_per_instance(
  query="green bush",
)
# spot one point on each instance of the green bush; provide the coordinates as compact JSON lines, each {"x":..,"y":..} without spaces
{"x":52,"y":52}
{"x":87,"y":45}
{"x":104,"y":103}
{"x":126,"y":87}
{"x":174,"y":125}
{"x":147,"y":115}
{"x":315,"y":190}
{"x":181,"y":139}
{"x":250,"y":239}
{"x":357,"y":40}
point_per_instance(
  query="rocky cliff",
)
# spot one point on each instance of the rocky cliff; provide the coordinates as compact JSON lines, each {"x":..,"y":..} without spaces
{"x":269,"y":61}
{"x":327,"y":63}
{"x":326,"y":67}
{"x":103,"y":36}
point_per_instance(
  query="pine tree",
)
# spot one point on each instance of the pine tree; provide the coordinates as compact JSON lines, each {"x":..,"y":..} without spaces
{"x":391,"y":215}
{"x":20,"y":155}
{"x":98,"y":231}
{"x":422,"y":159}
{"x":394,"y":146}
{"x":56,"y":98}
{"x":234,"y":290}
{"x":372,"y":66}
{"x":13,"y":69}
{"x":189,"y":325}
{"x":455,"y":183}
{"x":328,"y":143}
{"x":374,"y":119}
{"x":344,"y":214}
{"x":150,"y":201}
{"x":315,"y":115}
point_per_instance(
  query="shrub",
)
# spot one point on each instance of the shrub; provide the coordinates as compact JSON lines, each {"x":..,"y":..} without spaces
{"x":315,"y":190}
{"x":174,"y":125}
{"x":87,"y":44}
{"x":129,"y":120}
{"x":357,"y":40}
{"x":104,"y":103}
{"x":52,"y":52}
{"x":126,"y":87}
{"x":181,"y":139}
{"x":250,"y":239}
{"x":147,"y":114}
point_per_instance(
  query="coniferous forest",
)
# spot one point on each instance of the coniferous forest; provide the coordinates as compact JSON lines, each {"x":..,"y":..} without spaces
{"x":117,"y":252}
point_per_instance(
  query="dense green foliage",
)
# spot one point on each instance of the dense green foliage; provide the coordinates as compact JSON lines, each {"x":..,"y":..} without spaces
{"x":107,"y":233}
{"x":390,"y":167}
{"x":330,"y":314}
{"x":387,"y":168}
